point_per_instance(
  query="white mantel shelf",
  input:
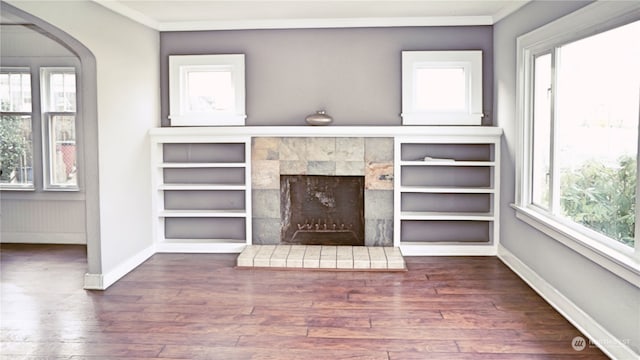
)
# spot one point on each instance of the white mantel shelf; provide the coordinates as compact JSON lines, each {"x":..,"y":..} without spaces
{"x":328,"y":131}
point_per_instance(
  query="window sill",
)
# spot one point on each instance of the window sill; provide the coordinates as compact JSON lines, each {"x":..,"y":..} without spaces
{"x":62,"y":189}
{"x":624,"y":264}
{"x":17,"y":188}
{"x":208,"y":120}
{"x":432,"y":118}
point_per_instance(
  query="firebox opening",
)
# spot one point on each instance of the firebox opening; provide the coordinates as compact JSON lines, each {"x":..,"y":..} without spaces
{"x":322,"y":210}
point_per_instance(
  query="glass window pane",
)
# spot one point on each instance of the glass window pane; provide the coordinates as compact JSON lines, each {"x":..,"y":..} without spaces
{"x":16,"y":150}
{"x":62,"y":91}
{"x":541,"y":162}
{"x":597,"y":131}
{"x":209,"y":91}
{"x":15,"y":92}
{"x":440,"y":89}
{"x":63,"y":171}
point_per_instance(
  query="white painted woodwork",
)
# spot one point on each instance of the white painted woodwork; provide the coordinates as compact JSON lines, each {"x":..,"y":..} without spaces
{"x":470,"y":113}
{"x":158,"y":165}
{"x":402,"y":134}
{"x":484,"y":135}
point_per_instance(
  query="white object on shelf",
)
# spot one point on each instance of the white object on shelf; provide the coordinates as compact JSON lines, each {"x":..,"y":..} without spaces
{"x":454,"y":152}
{"x":429,"y":158}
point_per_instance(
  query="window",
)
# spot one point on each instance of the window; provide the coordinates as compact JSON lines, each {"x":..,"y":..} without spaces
{"x":206,"y":90}
{"x":49,"y":163}
{"x":441,"y":87}
{"x":59,"y":117}
{"x":16,"y":146}
{"x":579,"y":102}
{"x":585,"y":132}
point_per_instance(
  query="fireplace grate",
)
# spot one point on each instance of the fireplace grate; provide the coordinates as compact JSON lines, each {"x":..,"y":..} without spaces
{"x":324,"y":231}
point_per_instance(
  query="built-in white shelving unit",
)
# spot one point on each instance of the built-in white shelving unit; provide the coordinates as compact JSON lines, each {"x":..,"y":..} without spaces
{"x":446,"y":193}
{"x":201,"y":192}
{"x":444,"y":205}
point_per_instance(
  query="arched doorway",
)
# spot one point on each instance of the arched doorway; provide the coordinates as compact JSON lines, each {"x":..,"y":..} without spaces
{"x":87,"y":136}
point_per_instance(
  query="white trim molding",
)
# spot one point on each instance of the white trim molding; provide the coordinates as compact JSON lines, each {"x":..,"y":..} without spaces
{"x":469,"y":112}
{"x":592,"y":19}
{"x":181,"y":67}
{"x":206,"y":133}
{"x":618,"y":261}
{"x":43,"y":238}
{"x":439,"y":249}
{"x":607,"y":342}
{"x":103,"y":281}
{"x":327,"y":23}
{"x":93,"y":281}
{"x":306,"y":23}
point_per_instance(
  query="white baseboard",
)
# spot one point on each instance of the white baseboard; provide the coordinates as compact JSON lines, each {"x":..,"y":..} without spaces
{"x":103,"y":281}
{"x":43,"y":238}
{"x":93,"y":282}
{"x":608,"y":343}
{"x":421,"y":249}
{"x":199,"y":248}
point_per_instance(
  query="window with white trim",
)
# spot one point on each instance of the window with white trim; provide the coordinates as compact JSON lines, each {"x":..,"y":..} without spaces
{"x":442,"y":87}
{"x":206,"y":90}
{"x":16,"y":134}
{"x":58,"y":86}
{"x":38,"y":149}
{"x":579,"y":102}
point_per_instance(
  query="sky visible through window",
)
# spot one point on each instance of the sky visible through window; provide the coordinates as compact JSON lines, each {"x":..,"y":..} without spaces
{"x":210,"y":91}
{"x":596,"y":131}
{"x":441,"y":89}
{"x":598,"y":97}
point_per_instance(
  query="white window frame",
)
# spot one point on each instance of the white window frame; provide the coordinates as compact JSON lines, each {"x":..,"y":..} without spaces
{"x":48,"y":145}
{"x":181,"y":65}
{"x":590,"y":20}
{"x":470,"y":61}
{"x":29,"y":186}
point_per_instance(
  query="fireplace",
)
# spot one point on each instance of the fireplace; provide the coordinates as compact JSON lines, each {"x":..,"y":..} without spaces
{"x":322,"y":210}
{"x":368,"y":159}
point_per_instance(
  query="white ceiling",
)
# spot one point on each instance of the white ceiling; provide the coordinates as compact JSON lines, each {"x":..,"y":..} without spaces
{"x":182,"y":15}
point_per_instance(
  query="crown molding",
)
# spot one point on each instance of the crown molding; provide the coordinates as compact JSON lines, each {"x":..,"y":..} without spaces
{"x":507,"y":10}
{"x":127,"y":12}
{"x":325,"y":23}
{"x":291,"y":23}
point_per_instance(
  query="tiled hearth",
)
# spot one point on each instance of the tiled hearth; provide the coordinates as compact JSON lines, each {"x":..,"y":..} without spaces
{"x":371,"y":158}
{"x":356,"y":258}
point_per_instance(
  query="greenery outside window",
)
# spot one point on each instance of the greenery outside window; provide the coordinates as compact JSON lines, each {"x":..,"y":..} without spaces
{"x":16,"y":145}
{"x":585,"y":145}
{"x":59,"y":113}
{"x":578,"y":108}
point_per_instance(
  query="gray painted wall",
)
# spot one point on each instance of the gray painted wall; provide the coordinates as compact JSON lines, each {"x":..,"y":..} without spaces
{"x":40,"y":216}
{"x":608,"y":299}
{"x":352,"y":73}
{"x":355,"y":74}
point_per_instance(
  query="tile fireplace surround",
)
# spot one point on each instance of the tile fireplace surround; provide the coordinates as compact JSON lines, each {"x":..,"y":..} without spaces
{"x":330,"y":156}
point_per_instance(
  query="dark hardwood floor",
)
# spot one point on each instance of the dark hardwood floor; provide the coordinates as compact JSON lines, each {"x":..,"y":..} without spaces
{"x":198,"y":306}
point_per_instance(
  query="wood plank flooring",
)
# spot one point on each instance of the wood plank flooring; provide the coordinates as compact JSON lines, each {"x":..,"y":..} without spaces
{"x":199,"y":306}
